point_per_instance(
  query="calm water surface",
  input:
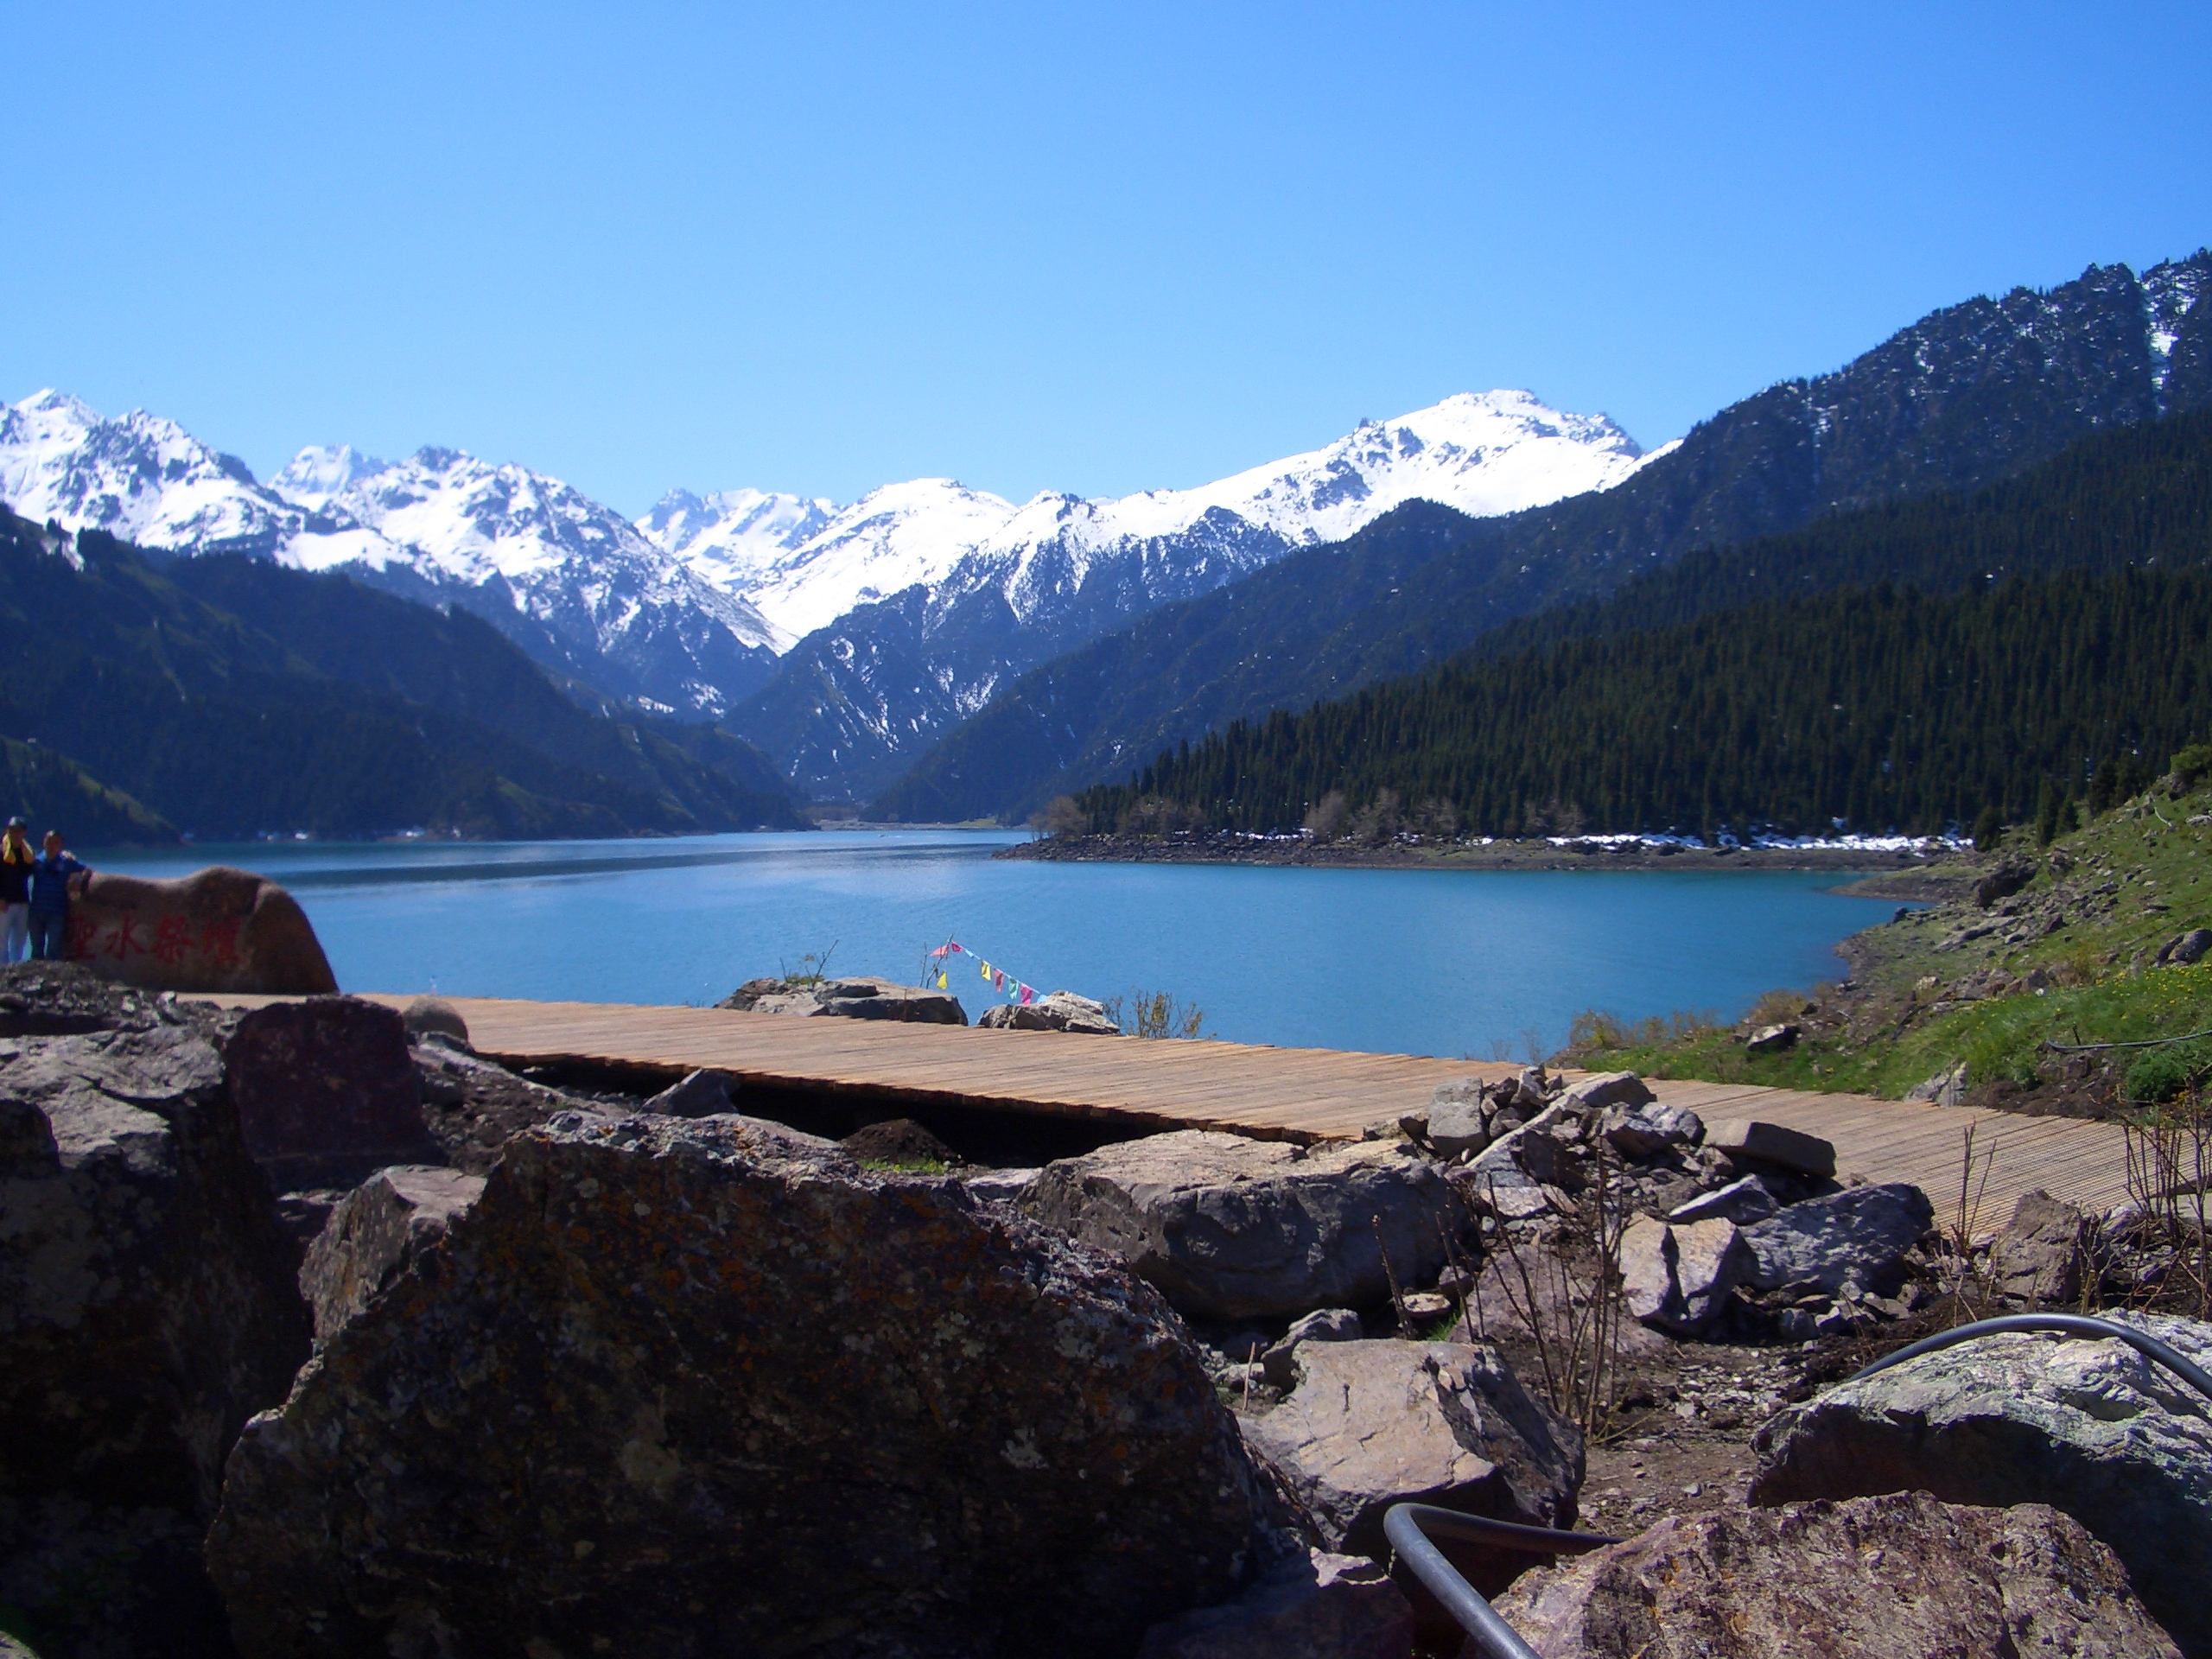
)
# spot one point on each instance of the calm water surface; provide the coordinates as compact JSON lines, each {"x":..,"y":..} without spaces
{"x":1454,"y":963}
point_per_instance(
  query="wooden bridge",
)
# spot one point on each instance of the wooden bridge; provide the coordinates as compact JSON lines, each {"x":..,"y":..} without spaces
{"x":1297,"y":1093}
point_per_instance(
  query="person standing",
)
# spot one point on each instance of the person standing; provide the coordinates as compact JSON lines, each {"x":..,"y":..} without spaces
{"x":15,"y":857}
{"x":51,"y":871}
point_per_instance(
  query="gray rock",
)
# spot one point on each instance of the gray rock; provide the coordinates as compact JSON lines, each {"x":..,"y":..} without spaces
{"x":699,"y":1094}
{"x":1946,"y":1088}
{"x":1751,"y":1140}
{"x":1001,"y":1186}
{"x":680,"y":1387}
{"x":1746,"y":1199}
{"x":147,"y":1307}
{"x":2040,"y":1255}
{"x":2188,"y":948}
{"x":1676,"y":1277}
{"x":1371,"y":1424}
{"x":433,"y":1016}
{"x":851,"y":998}
{"x":1543,"y":1148}
{"x":375,"y":1233}
{"x":1054,"y":1011}
{"x":1234,"y":1228}
{"x":1875,"y":1578}
{"x":473,"y":1107}
{"x":1506,"y":1190}
{"x":2003,"y":882}
{"x":1858,"y":1237}
{"x":1772,"y":1039}
{"x":1457,"y":1118}
{"x":2089,"y":1428}
{"x":1309,"y":1605}
{"x":1646,"y":1131}
{"x":1326,"y":1324}
{"x":1622,"y":1089}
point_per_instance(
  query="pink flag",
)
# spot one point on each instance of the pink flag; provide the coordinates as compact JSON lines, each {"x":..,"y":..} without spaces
{"x":1028,"y":993}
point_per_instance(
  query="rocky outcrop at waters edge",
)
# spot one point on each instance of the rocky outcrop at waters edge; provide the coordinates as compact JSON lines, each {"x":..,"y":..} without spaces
{"x":758,"y":1399}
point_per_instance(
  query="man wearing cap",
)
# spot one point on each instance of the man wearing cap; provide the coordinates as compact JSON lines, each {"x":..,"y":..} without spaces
{"x":50,"y":875}
{"x":16,"y":892}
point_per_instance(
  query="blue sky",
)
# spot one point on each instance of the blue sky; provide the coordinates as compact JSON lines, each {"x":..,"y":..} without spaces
{"x":822,"y":247}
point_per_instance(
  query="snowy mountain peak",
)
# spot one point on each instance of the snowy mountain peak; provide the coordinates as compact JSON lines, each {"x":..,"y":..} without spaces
{"x":321,"y":471}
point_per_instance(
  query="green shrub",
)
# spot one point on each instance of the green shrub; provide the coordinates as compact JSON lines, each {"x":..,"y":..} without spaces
{"x":2156,"y":1075}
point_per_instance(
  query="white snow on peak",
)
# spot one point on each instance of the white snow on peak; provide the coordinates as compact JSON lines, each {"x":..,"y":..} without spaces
{"x":731,"y":538}
{"x":1482,"y":453}
{"x":322,"y":471}
{"x":2169,"y":291}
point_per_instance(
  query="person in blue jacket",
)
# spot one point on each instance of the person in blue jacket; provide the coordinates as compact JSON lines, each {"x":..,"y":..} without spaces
{"x":51,"y":871}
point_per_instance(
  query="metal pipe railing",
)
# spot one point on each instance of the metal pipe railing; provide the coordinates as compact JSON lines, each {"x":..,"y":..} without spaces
{"x":1409,"y":1527}
{"x":2072,"y":1324}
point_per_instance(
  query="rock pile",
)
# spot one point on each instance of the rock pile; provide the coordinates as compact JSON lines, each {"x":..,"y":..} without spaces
{"x":1054,"y":1011}
{"x":852,"y":997}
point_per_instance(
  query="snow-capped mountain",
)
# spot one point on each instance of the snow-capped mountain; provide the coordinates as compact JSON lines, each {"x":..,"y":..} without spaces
{"x":572,"y":582}
{"x":913,"y":602}
{"x":917,"y":601}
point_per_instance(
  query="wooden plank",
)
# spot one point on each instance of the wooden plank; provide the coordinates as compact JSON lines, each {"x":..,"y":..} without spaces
{"x":1305,"y":1094}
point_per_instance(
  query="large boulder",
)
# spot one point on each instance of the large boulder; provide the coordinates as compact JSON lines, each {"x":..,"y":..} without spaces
{"x":147,"y":1308}
{"x":1875,"y":1578}
{"x":216,"y":929}
{"x":1371,"y":1424}
{"x":1857,"y":1236}
{"x":854,"y":997}
{"x":1054,"y":1011}
{"x":473,"y":1107}
{"x":690,"y":1387}
{"x":1309,"y":1605}
{"x":327,"y":1091}
{"x":1231,"y":1227}
{"x":2091,"y":1428}
{"x":1676,"y":1276}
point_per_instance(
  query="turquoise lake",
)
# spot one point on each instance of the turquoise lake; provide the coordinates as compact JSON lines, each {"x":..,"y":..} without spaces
{"x":1458,"y":963}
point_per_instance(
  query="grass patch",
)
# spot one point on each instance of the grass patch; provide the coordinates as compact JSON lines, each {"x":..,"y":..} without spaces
{"x":906,"y":1166}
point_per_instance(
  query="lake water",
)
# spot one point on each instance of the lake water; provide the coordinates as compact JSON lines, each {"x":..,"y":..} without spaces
{"x":1458,"y":963}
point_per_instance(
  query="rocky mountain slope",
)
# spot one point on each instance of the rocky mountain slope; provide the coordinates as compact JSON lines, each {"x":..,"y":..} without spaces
{"x":571,"y":581}
{"x":966,"y":590}
{"x":1968,"y":395}
{"x":913,"y":603}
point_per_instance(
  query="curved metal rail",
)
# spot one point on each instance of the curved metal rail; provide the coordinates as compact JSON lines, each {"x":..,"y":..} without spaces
{"x":2072,"y":1324}
{"x":1409,"y":1526}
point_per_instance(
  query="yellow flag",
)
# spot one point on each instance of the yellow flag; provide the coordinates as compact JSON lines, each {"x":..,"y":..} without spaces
{"x":987,"y":969}
{"x":940,"y":980}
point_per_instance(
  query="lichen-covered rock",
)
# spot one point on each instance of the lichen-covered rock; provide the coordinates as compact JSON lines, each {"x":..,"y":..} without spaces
{"x":1859,"y":1236}
{"x":1875,"y":1578}
{"x":689,"y":1387}
{"x":373,"y":1234}
{"x":147,"y":1308}
{"x":1232,"y":1229}
{"x":325,"y":1091}
{"x":1309,"y":1605}
{"x":2091,"y":1428}
{"x":1371,"y":1424}
{"x":473,"y":1107}
{"x":432,"y":1016}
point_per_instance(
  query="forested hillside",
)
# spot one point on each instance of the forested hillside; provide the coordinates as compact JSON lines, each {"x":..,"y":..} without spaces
{"x":1905,"y":666}
{"x":335,"y":710}
{"x":1968,"y":395}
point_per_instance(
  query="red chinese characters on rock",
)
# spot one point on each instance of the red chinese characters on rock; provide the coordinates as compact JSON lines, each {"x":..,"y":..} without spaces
{"x":216,"y":929}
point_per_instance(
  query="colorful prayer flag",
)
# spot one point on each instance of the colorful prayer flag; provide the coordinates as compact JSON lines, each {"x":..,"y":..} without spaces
{"x":940,"y":982}
{"x":1028,"y":995}
{"x":986,"y":971}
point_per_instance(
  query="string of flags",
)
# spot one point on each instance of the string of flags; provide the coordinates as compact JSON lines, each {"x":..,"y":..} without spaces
{"x":997,"y":978}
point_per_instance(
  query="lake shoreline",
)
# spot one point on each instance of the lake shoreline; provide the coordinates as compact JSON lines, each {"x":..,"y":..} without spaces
{"x":1881,"y":873}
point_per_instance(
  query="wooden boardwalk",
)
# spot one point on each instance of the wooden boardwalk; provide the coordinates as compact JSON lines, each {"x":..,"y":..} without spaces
{"x":1300,"y":1094}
